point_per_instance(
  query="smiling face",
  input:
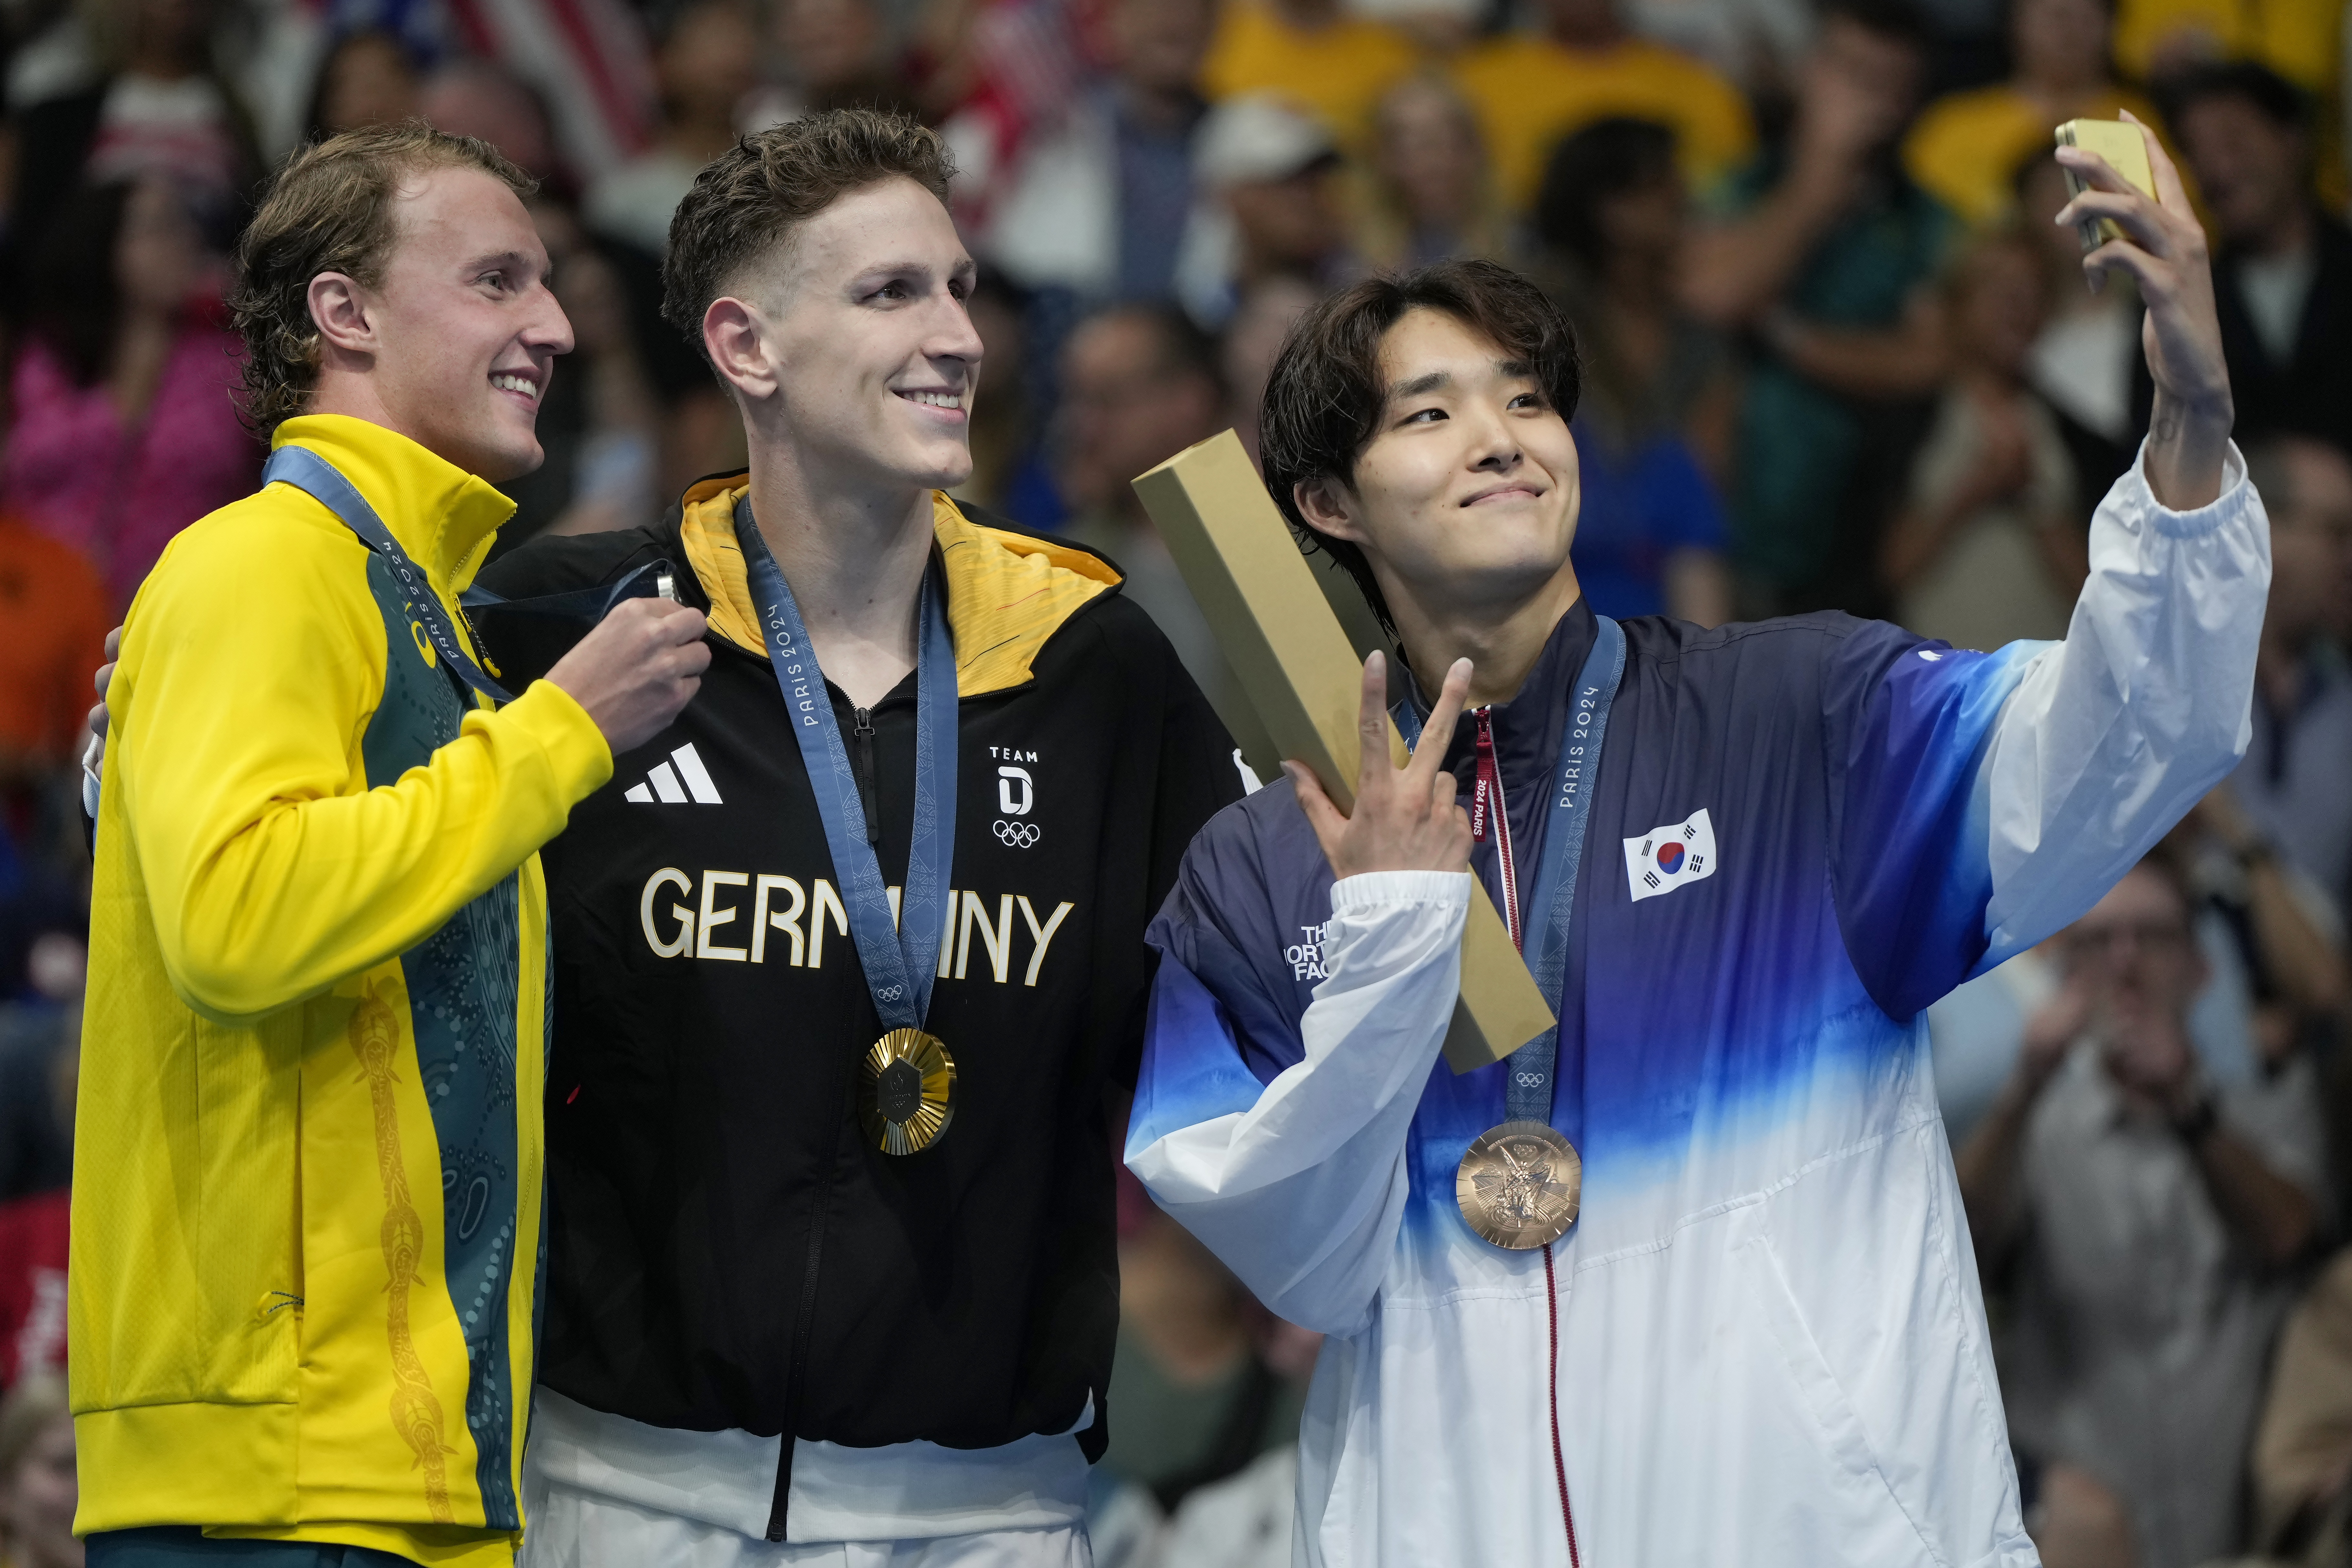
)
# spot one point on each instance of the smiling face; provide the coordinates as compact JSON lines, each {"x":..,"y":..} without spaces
{"x":1466,"y":496}
{"x":864,"y":358}
{"x":463,"y":328}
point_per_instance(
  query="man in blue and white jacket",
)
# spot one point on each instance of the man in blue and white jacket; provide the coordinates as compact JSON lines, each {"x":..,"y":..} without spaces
{"x":1762,"y":1341}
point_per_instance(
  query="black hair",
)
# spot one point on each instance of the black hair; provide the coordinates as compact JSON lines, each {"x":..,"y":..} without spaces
{"x":2278,"y":100}
{"x":1324,"y":398}
{"x":1586,"y":171}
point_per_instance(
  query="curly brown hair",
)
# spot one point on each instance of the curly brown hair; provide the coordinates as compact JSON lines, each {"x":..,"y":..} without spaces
{"x":750,"y":198}
{"x":329,"y":210}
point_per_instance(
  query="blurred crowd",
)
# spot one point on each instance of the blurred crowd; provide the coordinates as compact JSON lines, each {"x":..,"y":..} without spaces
{"x":1838,"y":355}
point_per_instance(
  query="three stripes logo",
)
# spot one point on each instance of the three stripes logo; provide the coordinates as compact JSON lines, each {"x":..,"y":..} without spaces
{"x":676,"y":782}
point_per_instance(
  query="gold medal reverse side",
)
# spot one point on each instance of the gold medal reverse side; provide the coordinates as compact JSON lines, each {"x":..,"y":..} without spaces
{"x":908,"y":1098}
{"x":1519,"y":1184}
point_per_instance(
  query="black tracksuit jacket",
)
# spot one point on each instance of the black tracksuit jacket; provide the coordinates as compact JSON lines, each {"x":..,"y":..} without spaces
{"x":727,"y":1250}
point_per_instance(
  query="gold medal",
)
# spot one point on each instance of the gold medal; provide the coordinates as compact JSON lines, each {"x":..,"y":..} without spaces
{"x":909,"y":1095}
{"x":1519,"y":1184}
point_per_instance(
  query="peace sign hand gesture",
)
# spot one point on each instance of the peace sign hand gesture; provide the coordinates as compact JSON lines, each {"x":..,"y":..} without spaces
{"x":1406,"y":819}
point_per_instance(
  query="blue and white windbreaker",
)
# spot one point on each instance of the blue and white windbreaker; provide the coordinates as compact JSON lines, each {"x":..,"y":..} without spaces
{"x":1771,"y":1344}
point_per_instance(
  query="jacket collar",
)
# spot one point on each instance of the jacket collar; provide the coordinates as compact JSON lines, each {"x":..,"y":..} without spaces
{"x":1007,"y":593}
{"x":443,"y":516}
{"x":1527,"y":733}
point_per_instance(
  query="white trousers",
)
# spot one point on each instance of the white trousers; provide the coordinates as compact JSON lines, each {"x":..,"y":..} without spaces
{"x":602,"y":1492}
{"x":571,"y":1529}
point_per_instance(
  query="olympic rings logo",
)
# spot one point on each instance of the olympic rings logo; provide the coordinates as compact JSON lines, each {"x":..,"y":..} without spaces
{"x":1018,"y":835}
{"x":1529,"y":1079}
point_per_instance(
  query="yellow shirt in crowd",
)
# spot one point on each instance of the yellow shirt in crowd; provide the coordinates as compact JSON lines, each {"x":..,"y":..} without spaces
{"x":1339,"y":71}
{"x":2296,"y":38}
{"x":1967,"y":148}
{"x":1529,"y":92}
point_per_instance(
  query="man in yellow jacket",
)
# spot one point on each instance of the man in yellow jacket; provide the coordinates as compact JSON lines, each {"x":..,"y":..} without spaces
{"x":306,"y":1221}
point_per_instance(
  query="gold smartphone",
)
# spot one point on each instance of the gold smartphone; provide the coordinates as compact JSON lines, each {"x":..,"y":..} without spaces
{"x":2120,"y":143}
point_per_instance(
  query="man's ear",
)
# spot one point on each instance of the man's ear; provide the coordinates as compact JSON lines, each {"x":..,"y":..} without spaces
{"x":339,"y":310}
{"x":733,"y":335}
{"x":1328,"y":507}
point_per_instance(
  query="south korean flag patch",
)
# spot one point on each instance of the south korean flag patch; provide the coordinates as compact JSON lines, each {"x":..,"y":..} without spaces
{"x":1664,"y":858}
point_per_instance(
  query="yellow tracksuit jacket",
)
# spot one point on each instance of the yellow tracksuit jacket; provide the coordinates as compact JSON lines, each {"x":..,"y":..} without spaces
{"x":307,"y":1160}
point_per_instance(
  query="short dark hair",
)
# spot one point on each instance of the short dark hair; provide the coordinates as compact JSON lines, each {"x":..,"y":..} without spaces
{"x":1324,"y":398}
{"x":750,"y":198}
{"x":2277,"y":99}
{"x":1604,"y":161}
{"x":329,"y":210}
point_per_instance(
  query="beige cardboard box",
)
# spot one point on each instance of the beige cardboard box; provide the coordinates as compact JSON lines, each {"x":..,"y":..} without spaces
{"x":1300,"y":674}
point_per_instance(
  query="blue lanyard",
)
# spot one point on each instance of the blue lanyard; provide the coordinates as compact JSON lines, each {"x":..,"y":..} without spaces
{"x":901,"y":964}
{"x":1528,"y":1094}
{"x":313,"y":475}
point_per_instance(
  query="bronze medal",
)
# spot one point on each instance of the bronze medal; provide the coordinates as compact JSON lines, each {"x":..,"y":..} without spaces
{"x":1519,"y":1184}
{"x":909,"y":1091}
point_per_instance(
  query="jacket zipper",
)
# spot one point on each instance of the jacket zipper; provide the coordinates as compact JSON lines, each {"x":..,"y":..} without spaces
{"x":862,"y":732}
{"x":864,"y":735}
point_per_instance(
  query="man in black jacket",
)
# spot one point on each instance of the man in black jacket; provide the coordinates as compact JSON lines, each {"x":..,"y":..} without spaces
{"x":832,"y":1255}
{"x":2283,"y":266}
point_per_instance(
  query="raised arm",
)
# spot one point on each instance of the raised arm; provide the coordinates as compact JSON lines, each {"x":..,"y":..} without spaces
{"x":1298,"y":1184}
{"x":1986,"y":800}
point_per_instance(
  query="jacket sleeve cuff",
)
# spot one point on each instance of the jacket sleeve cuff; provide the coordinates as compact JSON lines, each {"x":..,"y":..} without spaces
{"x":578,"y":760}
{"x":1367,"y":893}
{"x":2139,"y":502}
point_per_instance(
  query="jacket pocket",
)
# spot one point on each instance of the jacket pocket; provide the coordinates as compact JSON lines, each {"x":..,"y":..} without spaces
{"x":1844,"y":1441}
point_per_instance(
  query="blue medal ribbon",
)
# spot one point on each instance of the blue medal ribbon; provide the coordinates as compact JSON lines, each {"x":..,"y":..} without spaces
{"x":899,"y":963}
{"x":1574,"y":779}
{"x":323,"y":482}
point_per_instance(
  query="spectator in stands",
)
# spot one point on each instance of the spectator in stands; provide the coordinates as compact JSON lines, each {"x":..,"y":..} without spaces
{"x":2083,"y":363}
{"x":367,"y":79}
{"x":2293,"y":783}
{"x":1318,"y":52}
{"x":1828,"y":256}
{"x":706,"y":63}
{"x":1613,"y":219}
{"x":2159,"y":40}
{"x":2151,"y":1215}
{"x":1200,"y":1401}
{"x":1532,"y":89}
{"x":162,"y":108}
{"x":2302,"y":1448}
{"x":1757,"y":44}
{"x":826,"y":53}
{"x":1270,"y":173}
{"x":1251,"y":339}
{"x":1432,"y":192}
{"x":1140,"y":383}
{"x":1098,"y":207}
{"x":54,"y":614}
{"x":37,"y":1488}
{"x":478,"y":98}
{"x":2282,"y":266}
{"x":1968,"y":145}
{"x":1990,"y":547}
{"x":1008,"y":473}
{"x":125,"y":431}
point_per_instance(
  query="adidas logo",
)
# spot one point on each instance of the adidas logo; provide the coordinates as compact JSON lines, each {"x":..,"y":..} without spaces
{"x":664,"y":784}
